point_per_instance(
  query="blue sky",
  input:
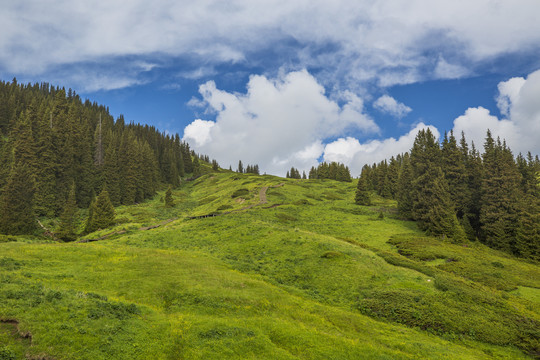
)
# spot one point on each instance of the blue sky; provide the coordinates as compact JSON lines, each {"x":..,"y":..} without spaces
{"x":290,"y":83}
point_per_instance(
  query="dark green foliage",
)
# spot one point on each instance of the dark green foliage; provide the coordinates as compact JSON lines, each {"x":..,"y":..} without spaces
{"x":404,"y":188}
{"x":101,"y":214}
{"x":361,"y":196}
{"x":196,"y":166}
{"x":432,"y":205}
{"x":64,"y":140}
{"x":67,"y":228}
{"x":169,"y":202}
{"x":293,"y":174}
{"x":16,"y":202}
{"x":7,"y":354}
{"x":240,"y":192}
{"x":240,"y":168}
{"x":500,"y":196}
{"x":333,"y":171}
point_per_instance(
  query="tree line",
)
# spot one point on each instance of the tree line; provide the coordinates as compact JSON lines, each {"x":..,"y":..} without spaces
{"x":453,"y":191}
{"x":58,"y":151}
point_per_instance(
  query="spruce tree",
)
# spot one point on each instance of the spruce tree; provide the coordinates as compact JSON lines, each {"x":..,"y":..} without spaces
{"x":67,"y":230}
{"x":404,"y":188}
{"x":361,"y":196}
{"x":196,"y":166}
{"x":455,"y":174}
{"x":500,"y":196}
{"x":432,"y":205}
{"x":240,"y":168}
{"x":169,"y":202}
{"x":17,"y":201}
{"x":102,"y":213}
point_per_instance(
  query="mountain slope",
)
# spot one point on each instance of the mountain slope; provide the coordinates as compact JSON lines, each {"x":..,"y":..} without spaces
{"x":307,"y":275}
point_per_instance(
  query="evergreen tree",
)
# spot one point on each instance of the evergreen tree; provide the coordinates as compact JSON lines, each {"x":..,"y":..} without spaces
{"x":404,"y":188}
{"x":17,"y":201}
{"x":500,"y":196}
{"x":362,"y":195}
{"x":68,"y":228}
{"x":455,"y":174}
{"x":312,"y":173}
{"x":101,"y":213}
{"x":215,"y":165}
{"x":240,"y":167}
{"x":432,"y":205}
{"x":196,"y":167}
{"x":169,"y":202}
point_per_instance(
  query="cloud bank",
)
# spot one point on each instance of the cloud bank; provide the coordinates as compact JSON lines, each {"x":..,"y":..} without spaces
{"x":387,"y":41}
{"x":520,"y":125}
{"x":277,"y":123}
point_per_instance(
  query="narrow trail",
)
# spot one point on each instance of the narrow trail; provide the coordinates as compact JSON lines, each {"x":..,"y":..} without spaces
{"x":262,"y":200}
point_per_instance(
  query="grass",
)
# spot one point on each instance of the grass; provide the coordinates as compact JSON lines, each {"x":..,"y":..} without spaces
{"x":309,"y":275}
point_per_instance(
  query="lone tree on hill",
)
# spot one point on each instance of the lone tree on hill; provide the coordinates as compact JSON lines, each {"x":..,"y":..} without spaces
{"x":101,"y":214}
{"x":362,"y":195}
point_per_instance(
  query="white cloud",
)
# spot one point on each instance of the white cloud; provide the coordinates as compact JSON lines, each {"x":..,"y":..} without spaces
{"x":445,"y":70}
{"x":277,"y":124}
{"x":355,"y":154}
{"x":199,"y":131}
{"x":508,"y":93}
{"x":389,"y":105}
{"x":518,"y":101}
{"x":388,"y":41}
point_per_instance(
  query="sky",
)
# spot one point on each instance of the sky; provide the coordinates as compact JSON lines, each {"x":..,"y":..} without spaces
{"x":283,"y":83}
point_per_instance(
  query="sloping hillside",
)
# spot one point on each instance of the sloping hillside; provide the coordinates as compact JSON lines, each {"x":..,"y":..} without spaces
{"x":281,"y":269}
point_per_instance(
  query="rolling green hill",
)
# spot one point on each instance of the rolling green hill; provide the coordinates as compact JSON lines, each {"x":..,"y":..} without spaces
{"x":279,"y":269}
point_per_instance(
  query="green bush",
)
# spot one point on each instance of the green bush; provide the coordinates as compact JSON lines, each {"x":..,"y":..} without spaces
{"x":240,"y":192}
{"x":7,"y":354}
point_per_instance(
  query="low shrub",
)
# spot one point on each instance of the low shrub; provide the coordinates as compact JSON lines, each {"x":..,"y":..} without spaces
{"x":240,"y":192}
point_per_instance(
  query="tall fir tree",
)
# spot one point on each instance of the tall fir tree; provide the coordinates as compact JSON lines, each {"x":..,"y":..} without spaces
{"x":17,"y":201}
{"x":361,"y":196}
{"x":101,"y":214}
{"x":453,"y":166}
{"x":500,"y":196}
{"x":67,"y":229}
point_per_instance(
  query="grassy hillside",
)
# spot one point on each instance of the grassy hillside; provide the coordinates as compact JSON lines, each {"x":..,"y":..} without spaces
{"x":305,"y":275}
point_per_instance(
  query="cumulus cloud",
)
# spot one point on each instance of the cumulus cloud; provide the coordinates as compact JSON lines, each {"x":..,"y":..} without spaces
{"x":388,"y":41}
{"x":352,"y":152}
{"x":199,"y":131}
{"x":508,"y":93}
{"x":518,"y":103}
{"x":277,"y":123}
{"x":389,"y":105}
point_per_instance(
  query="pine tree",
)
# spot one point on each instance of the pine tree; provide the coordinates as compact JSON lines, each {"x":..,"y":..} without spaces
{"x":240,"y":167}
{"x":362,"y":195}
{"x":45,"y":196}
{"x":101,"y":213}
{"x":500,"y":196}
{"x":455,"y":173}
{"x":169,"y":202}
{"x":67,"y":228}
{"x":404,"y":188}
{"x":196,"y":166}
{"x":432,"y":205}
{"x":17,"y":201}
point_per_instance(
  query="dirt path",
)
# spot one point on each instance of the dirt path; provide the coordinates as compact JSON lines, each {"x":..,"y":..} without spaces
{"x":262,"y":200}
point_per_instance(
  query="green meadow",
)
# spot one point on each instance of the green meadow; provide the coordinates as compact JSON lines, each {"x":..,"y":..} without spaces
{"x":305,"y":275}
